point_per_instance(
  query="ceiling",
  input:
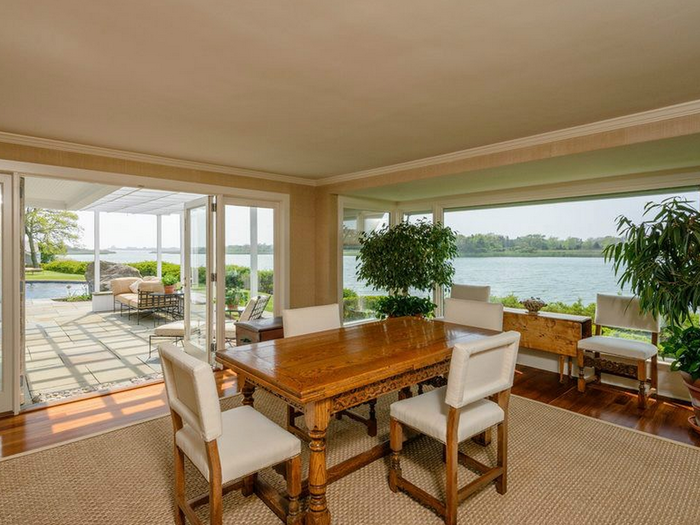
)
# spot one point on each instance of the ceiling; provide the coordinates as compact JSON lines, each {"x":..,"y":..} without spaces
{"x":670,"y":154}
{"x":318,"y":88}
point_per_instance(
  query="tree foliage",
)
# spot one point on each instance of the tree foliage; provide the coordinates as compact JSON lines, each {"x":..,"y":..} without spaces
{"x":659,"y":259}
{"x":407,"y":256}
{"x":48,"y":232}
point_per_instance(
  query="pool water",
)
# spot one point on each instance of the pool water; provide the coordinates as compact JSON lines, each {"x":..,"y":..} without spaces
{"x":53,"y":289}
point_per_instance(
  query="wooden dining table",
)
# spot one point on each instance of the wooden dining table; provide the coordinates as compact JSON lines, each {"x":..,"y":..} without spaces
{"x":324,"y":373}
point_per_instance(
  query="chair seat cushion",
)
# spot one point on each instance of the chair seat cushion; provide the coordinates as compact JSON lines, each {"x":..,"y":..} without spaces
{"x":127,"y":298}
{"x":618,"y":347}
{"x":427,"y":413}
{"x":174,"y":329}
{"x":249,"y":442}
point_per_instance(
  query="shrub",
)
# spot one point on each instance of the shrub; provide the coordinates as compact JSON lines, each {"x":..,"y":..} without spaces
{"x":266,"y":281}
{"x":66,"y":266}
{"x":150,"y":268}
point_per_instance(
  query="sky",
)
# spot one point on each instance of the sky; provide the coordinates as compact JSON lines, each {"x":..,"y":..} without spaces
{"x":583,"y":219}
{"x":122,"y":230}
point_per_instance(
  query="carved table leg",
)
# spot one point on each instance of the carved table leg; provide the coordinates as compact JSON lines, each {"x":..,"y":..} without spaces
{"x":405,"y":393}
{"x":248,"y":391}
{"x":317,"y":416}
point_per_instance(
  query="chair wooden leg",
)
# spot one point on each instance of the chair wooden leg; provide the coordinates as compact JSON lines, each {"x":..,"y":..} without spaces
{"x":655,"y":373}
{"x":396,"y":442}
{"x":451,"y":486}
{"x":642,"y":377}
{"x":215,"y":489}
{"x":294,"y":515}
{"x":179,"y":486}
{"x":248,"y":485}
{"x":483,"y":439}
{"x":502,"y":461}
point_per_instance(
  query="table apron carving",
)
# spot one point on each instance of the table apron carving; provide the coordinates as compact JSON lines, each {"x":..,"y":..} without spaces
{"x":360,"y":395}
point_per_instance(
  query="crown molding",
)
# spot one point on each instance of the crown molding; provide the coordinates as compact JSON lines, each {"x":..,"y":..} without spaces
{"x":646,"y":117}
{"x":72,"y":147}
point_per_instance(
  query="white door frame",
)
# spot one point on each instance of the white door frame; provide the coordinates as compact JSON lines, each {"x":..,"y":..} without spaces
{"x":9,"y":392}
{"x":280,"y":242}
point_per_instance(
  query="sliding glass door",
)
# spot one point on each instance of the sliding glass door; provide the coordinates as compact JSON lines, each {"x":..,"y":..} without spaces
{"x":198,"y":297}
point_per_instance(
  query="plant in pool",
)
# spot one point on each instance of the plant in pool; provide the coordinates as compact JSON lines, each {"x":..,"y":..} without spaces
{"x":404,"y":258}
{"x":659,"y":260}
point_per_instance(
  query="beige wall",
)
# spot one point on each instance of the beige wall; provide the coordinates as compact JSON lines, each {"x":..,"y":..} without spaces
{"x":302,"y":202}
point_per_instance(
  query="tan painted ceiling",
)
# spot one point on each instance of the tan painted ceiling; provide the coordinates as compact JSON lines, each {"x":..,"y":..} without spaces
{"x":319,"y":88}
{"x":670,"y":154}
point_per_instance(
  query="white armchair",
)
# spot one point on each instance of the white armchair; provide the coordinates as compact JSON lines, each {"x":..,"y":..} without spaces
{"x":226,"y":447}
{"x":621,"y":357}
{"x":454,"y":413}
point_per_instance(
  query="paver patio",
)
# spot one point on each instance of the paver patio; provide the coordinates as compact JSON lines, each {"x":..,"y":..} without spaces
{"x":72,"y":350}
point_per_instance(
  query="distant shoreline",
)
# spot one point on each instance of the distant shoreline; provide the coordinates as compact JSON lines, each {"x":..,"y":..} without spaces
{"x":553,"y":253}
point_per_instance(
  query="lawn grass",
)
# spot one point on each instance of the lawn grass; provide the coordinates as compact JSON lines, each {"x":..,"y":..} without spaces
{"x":54,"y":276}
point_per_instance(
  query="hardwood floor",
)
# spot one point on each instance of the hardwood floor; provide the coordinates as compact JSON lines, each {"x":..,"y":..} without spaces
{"x":68,"y":421}
{"x":56,"y":424}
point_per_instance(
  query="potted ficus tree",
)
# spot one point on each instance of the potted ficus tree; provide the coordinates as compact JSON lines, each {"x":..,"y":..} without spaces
{"x":407,"y":258}
{"x":659,"y":260}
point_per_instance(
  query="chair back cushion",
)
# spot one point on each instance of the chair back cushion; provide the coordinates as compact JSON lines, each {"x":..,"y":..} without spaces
{"x":620,"y":311}
{"x":191,"y":390}
{"x":470,"y":292}
{"x":301,"y":321}
{"x":478,"y":314}
{"x":151,"y":287}
{"x":121,"y":284}
{"x":481,"y":368}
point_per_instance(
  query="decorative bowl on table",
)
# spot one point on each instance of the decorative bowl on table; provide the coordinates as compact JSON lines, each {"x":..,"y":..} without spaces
{"x":534,"y":305}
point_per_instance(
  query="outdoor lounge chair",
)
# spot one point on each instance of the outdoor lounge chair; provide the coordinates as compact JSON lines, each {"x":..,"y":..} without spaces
{"x":176,"y":330}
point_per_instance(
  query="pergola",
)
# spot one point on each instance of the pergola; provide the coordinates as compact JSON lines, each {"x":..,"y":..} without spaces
{"x":82,"y":196}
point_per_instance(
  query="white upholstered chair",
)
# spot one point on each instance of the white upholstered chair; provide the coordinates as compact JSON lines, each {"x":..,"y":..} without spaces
{"x":452,"y":414}
{"x":226,"y":448}
{"x":471,"y":292}
{"x":478,"y":314}
{"x":617,"y":356}
{"x":302,"y":321}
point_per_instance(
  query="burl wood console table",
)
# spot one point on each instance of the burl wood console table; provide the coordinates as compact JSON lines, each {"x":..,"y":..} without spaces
{"x":327,"y":372}
{"x":549,"y":332}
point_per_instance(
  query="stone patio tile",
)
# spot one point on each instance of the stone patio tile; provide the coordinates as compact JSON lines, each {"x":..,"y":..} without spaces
{"x":57,"y":377}
{"x":38,"y":364}
{"x":122,"y":373}
{"x":90,"y":358}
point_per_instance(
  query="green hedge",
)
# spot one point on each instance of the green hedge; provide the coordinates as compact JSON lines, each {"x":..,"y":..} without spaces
{"x":66,"y":266}
{"x":150,"y":268}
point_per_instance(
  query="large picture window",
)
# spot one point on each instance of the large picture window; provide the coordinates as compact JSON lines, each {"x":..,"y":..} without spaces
{"x":358,"y":296}
{"x":552,"y":250}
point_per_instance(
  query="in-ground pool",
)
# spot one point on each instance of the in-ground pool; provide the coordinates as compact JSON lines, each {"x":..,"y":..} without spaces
{"x":53,"y":289}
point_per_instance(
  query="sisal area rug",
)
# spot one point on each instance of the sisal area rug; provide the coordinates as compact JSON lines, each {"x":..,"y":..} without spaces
{"x":564,"y":468}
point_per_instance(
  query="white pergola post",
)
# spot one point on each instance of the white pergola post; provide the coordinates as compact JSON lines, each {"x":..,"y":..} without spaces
{"x":159,"y":246}
{"x":253,"y":251}
{"x":97,"y":276}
